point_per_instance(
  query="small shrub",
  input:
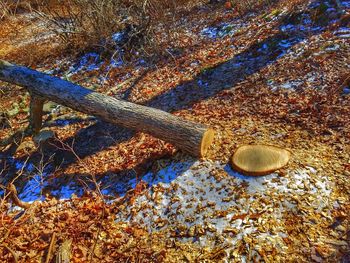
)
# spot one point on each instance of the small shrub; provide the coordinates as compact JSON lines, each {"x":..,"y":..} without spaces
{"x":112,"y":25}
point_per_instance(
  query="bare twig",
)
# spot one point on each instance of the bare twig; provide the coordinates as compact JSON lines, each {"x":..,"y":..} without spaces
{"x":14,"y":197}
{"x":51,"y":247}
{"x":66,"y":147}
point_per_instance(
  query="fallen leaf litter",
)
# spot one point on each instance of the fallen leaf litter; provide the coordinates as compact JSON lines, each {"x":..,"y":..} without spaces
{"x":202,"y":210}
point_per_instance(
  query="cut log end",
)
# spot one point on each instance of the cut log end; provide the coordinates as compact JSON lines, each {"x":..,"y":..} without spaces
{"x":207,"y":140}
{"x":257,"y":160}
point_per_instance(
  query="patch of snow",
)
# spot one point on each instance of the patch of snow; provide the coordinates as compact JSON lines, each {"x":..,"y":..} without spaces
{"x":89,"y":62}
{"x":56,"y":109}
{"x":336,"y":205}
{"x":33,"y":188}
{"x":142,"y":62}
{"x":288,"y":85}
{"x":65,"y":192}
{"x":62,"y":122}
{"x":331,"y":9}
{"x":187,"y":193}
{"x":21,"y":165}
{"x":166,"y":175}
{"x":221,"y":30}
{"x":287,"y":47}
{"x":343,"y":32}
{"x":209,"y":32}
{"x":288,"y":27}
{"x":345,"y":4}
{"x":118,"y":37}
{"x":36,"y":180}
{"x":311,"y":77}
{"x":202,"y":84}
{"x":116,"y":63}
{"x":305,"y":25}
{"x":333,"y":47}
{"x":317,"y":28}
{"x":285,"y":44}
{"x":314,"y":4}
{"x":312,"y":170}
{"x":264,"y":48}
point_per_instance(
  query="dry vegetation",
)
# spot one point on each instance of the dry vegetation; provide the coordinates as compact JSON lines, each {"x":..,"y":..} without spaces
{"x":90,"y":25}
{"x":193,"y":77}
{"x":85,"y":25}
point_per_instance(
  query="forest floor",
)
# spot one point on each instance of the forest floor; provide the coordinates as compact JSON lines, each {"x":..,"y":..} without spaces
{"x":278,"y":77}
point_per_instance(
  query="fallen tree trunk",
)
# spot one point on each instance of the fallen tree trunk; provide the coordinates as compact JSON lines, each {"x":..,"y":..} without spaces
{"x":191,"y":137}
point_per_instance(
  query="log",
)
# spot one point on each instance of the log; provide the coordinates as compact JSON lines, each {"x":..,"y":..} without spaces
{"x":191,"y":137}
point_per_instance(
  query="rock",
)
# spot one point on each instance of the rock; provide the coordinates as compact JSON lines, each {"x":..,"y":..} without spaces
{"x":259,"y":159}
{"x":43,"y":136}
{"x":49,"y":106}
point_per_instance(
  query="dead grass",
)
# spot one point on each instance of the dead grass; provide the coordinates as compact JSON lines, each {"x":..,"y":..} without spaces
{"x":91,"y":24}
{"x":25,"y":40}
{"x":35,"y":31}
{"x":9,"y":8}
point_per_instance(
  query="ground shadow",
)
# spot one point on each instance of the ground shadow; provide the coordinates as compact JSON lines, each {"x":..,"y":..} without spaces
{"x":211,"y":81}
{"x":226,"y":75}
{"x":116,"y":184}
{"x":43,"y":162}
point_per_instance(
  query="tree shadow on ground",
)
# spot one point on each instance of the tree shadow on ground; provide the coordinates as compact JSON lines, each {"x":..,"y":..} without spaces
{"x":115,"y":184}
{"x":226,"y":75}
{"x":58,"y":154}
{"x":292,"y":29}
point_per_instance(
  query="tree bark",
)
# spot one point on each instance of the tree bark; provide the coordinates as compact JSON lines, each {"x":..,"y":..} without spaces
{"x":191,"y":137}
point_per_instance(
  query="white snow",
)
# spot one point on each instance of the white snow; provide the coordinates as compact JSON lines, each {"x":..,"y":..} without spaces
{"x":199,"y":195}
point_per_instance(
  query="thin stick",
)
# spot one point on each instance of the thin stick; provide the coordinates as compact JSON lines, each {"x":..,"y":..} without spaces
{"x":52,"y":244}
{"x":14,"y":197}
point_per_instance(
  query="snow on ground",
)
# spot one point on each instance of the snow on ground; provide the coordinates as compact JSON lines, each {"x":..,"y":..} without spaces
{"x":37,"y":179}
{"x":208,"y":202}
{"x":223,"y":29}
{"x":92,"y":61}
